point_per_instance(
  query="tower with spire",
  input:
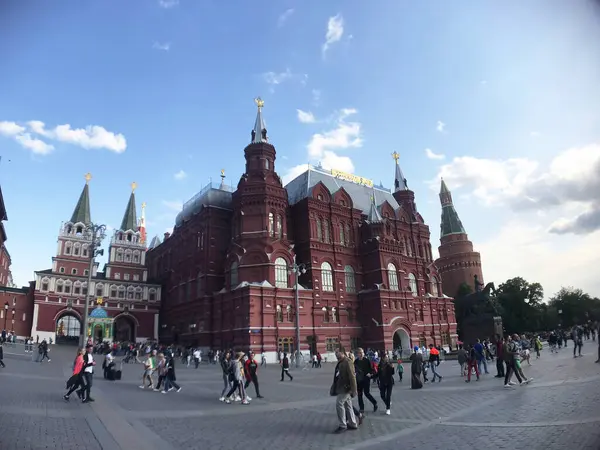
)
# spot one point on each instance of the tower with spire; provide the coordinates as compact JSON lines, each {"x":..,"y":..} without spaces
{"x":458,"y":263}
{"x":142,"y":224}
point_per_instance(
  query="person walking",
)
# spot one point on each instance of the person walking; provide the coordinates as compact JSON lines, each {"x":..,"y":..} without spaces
{"x":364,"y":377}
{"x":285,"y":367}
{"x":2,"y":354}
{"x":499,"y":357}
{"x":226,"y":368}
{"x":250,"y":371}
{"x":385,"y":375}
{"x":76,"y":379}
{"x":344,"y":389}
{"x":472,"y":364}
{"x":462,"y":356}
{"x":88,"y":375}
{"x":416,"y":366}
{"x":170,"y":378}
{"x":434,"y":362}
{"x":480,"y":355}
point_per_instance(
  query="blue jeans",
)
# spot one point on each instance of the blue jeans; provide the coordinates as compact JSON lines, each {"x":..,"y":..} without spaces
{"x":170,"y":383}
{"x":482,"y":360}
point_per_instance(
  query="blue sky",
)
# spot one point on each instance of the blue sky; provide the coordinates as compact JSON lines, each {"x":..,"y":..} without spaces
{"x":499,"y":98}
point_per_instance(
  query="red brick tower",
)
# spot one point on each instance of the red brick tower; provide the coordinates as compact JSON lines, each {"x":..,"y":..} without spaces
{"x":458,"y":262}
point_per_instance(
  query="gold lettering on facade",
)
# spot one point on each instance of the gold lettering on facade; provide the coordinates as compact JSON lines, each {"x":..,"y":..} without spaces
{"x":352,"y":178}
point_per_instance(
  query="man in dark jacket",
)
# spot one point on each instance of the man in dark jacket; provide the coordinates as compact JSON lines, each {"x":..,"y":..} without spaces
{"x":364,"y":376}
{"x":250,"y":368}
{"x":499,"y":357}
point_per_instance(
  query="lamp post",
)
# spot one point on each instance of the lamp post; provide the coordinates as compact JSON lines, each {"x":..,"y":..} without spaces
{"x":13,"y":320}
{"x":297,"y":269}
{"x":97,"y":233}
{"x":5,"y":314}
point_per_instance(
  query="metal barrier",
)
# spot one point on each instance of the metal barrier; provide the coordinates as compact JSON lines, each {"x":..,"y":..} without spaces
{"x":19,"y":349}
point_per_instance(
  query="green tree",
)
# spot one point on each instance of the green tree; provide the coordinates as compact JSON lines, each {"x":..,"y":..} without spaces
{"x":521,"y":305}
{"x":574,"y":307}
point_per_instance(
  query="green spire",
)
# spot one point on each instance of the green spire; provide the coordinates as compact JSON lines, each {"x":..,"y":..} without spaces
{"x":451,"y":223}
{"x":130,"y":218}
{"x":82,"y":210}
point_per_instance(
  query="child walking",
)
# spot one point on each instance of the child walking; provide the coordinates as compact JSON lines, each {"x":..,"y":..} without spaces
{"x":400,"y":369}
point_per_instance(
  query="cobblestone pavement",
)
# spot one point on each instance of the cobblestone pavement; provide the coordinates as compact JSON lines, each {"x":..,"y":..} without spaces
{"x":559,"y":409}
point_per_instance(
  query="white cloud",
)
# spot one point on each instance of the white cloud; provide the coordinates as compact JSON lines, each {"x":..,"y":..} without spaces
{"x":335,"y":31}
{"x":293,"y":173}
{"x":37,"y":146}
{"x":167,"y":4}
{"x":90,"y":137}
{"x":431,"y":155}
{"x":173,"y":205}
{"x":568,"y":185}
{"x":284,"y":17}
{"x":165,"y":47}
{"x":305,"y":116}
{"x":440,"y":126}
{"x":550,"y":260}
{"x":10,"y":129}
{"x":180,"y":175}
{"x":277,"y":77}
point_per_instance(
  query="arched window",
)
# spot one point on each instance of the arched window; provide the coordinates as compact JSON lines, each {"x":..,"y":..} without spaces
{"x":233,"y":275}
{"x":392,"y":277}
{"x":68,"y":247}
{"x":84,"y":250}
{"x":136,"y":256}
{"x":326,"y":277}
{"x":130,"y":292}
{"x":152,"y":295}
{"x":99,"y":290}
{"x":434,"y":287}
{"x":279,"y":226}
{"x":348,"y":235}
{"x":120,"y":254}
{"x":113,"y":292}
{"x":45,"y":284}
{"x":319,"y":230}
{"x":409,"y":247}
{"x":77,"y":288}
{"x":68,"y":285}
{"x":288,"y":313}
{"x":121,"y":292}
{"x":138,"y":293}
{"x":278,"y":314}
{"x":281,"y":273}
{"x":326,"y":231}
{"x":128,"y":256}
{"x":271,"y":229}
{"x":412,"y":282}
{"x":342,"y":237}
{"x":350,"y":279}
{"x":76,"y":249}
{"x":60,"y":286}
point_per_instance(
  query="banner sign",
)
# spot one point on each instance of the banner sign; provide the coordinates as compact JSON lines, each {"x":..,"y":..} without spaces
{"x":352,"y":178}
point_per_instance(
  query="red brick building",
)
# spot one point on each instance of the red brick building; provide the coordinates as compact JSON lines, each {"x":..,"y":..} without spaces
{"x":369,"y":280}
{"x":123,"y":306}
{"x":458,"y":263}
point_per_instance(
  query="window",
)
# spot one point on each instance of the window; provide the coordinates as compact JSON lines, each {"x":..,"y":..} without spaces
{"x":288,"y":314}
{"x":285,"y":345}
{"x":76,"y":249}
{"x":422,"y":341}
{"x":136,"y":278}
{"x":99,"y":290}
{"x":271,"y":229}
{"x":84,"y":251}
{"x":138,"y":294}
{"x":279,"y":226}
{"x":267,"y":164}
{"x":335,"y":317}
{"x":326,"y":231}
{"x":68,"y":246}
{"x":325,"y":314}
{"x":281,"y":273}
{"x":77,"y":290}
{"x":332,"y":344}
{"x":412,"y":282}
{"x":117,"y":276}
{"x":445,"y":338}
{"x":136,"y":257}
{"x":86,"y":272}
{"x":84,"y":290}
{"x":348,"y":235}
{"x":326,"y":277}
{"x":67,"y":289}
{"x":342,"y":237}
{"x":127,"y":256}
{"x":319,"y":230}
{"x":61,"y":270}
{"x":73,"y":271}
{"x":152,"y":295}
{"x":392,"y":277}
{"x":24,"y":317}
{"x":59,"y":286}
{"x":349,"y":279}
{"x":421,"y":315}
{"x":121,"y":292}
{"x":278,"y":314}
{"x":113,"y":292}
{"x":119,"y":255}
{"x":434,"y":287}
{"x":126,"y":277}
{"x":233,"y":275}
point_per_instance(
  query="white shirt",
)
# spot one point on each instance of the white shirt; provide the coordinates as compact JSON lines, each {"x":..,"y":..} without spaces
{"x":88,"y":358}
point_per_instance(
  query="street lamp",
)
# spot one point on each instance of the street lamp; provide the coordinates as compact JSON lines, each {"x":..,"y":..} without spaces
{"x":5,"y":314}
{"x":97,"y":234}
{"x":297,"y":270}
{"x":13,"y":320}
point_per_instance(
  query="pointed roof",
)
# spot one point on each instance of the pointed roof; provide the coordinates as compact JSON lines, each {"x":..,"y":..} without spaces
{"x":451,"y":223}
{"x":400,"y":183}
{"x":81,"y":214}
{"x":130,"y":218}
{"x":155,"y":242}
{"x":259,"y":133}
{"x":373,"y":215}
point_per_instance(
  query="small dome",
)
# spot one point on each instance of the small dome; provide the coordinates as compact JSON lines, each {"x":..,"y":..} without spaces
{"x":99,"y":313}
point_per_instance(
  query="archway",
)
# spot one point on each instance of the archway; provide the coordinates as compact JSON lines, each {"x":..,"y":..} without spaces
{"x":124,"y":329}
{"x":68,"y":329}
{"x":98,"y":333}
{"x":402,"y":342}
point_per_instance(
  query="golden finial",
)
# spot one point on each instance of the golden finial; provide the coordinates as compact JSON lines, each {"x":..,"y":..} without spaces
{"x":99,"y":301}
{"x":396,"y":156}
{"x":133,"y":186}
{"x":259,"y":102}
{"x":88,"y":177}
{"x":222,"y":173}
{"x":143,"y":205}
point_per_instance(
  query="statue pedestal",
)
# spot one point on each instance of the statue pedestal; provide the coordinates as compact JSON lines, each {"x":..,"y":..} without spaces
{"x":483,"y":326}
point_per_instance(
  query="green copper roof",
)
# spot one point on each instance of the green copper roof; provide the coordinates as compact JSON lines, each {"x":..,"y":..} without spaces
{"x":82,"y":210}
{"x":451,"y":223}
{"x":130,"y":218}
{"x":444,"y":189}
